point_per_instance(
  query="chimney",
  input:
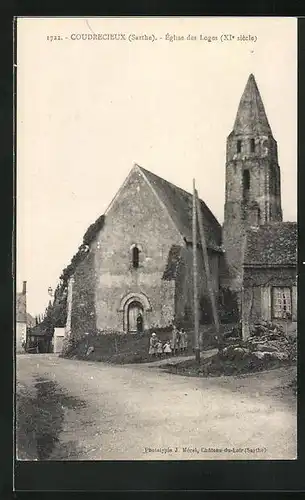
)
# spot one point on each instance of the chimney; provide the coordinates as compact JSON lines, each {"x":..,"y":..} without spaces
{"x":24,"y":288}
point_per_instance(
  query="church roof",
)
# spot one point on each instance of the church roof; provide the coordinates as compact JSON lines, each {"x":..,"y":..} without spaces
{"x":251,"y":116}
{"x":179,"y":206}
{"x":272,"y":245}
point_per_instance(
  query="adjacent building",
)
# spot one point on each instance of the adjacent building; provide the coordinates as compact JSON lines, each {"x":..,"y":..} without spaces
{"x":270,"y":278}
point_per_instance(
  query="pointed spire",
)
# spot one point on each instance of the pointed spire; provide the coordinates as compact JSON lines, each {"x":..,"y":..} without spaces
{"x":251,"y":116}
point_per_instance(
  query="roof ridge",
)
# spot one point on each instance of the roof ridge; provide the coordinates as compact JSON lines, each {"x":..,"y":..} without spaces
{"x":180,"y":189}
{"x":164,"y":180}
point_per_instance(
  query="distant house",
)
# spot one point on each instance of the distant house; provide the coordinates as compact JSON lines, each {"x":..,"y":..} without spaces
{"x":39,"y":340}
{"x":21,"y":319}
{"x":270,"y":275}
{"x":30,"y":321}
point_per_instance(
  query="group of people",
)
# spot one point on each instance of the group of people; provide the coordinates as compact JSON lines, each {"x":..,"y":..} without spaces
{"x":177,"y":343}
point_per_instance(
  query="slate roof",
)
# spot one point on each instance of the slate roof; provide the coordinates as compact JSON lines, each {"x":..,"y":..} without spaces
{"x":21,"y":308}
{"x":251,"y":116}
{"x":179,"y":205}
{"x":272,"y":245}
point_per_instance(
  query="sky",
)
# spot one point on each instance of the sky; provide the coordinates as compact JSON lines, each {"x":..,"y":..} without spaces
{"x":87,"y":110}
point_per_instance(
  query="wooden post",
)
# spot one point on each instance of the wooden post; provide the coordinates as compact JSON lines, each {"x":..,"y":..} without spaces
{"x":195,"y":279}
{"x":207,"y":268}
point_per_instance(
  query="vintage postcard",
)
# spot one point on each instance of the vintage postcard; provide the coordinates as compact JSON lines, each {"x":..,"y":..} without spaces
{"x":156,"y":277}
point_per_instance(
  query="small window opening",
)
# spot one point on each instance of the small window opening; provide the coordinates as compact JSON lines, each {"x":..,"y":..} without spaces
{"x":135,"y":257}
{"x":246,"y":183}
{"x":281,"y":303}
{"x":246,"y":180}
{"x":238,"y":146}
{"x":252,"y":145}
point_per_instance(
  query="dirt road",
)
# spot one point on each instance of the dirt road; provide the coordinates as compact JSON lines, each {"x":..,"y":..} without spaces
{"x":138,"y":412}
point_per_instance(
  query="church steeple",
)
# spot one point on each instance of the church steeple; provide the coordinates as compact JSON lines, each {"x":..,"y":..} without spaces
{"x":253,"y":186}
{"x":251,"y":116}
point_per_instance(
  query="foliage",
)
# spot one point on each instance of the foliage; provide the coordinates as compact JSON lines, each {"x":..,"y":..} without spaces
{"x":76,"y":259}
{"x":93,"y":229}
{"x":83,"y":248}
{"x":228,"y":307}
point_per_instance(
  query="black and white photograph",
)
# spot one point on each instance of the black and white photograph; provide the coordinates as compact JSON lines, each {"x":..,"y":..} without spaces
{"x":156,"y":238}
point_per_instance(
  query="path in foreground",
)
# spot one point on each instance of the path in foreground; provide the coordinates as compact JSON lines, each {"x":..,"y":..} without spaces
{"x":140,"y":412}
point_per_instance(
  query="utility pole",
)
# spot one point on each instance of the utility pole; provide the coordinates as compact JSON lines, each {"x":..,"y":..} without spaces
{"x":207,"y":268}
{"x":195,"y":279}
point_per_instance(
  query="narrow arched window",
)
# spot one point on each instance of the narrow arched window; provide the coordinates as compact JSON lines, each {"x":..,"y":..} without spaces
{"x":252,"y":145}
{"x":246,"y":184}
{"x":246,"y":179}
{"x":238,"y":146}
{"x":135,"y":257}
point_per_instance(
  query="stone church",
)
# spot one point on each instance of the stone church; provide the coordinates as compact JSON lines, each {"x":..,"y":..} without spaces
{"x":135,"y":270}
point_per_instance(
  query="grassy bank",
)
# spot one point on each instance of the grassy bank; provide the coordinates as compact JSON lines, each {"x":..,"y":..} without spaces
{"x":123,"y":349}
{"x":39,"y":421}
{"x":217,"y":366}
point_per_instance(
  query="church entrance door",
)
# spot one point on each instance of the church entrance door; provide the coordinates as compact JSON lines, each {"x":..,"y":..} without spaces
{"x":135,"y":317}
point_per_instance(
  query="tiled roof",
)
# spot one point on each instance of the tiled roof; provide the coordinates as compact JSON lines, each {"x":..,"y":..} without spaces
{"x":179,"y":205}
{"x":271,"y":245}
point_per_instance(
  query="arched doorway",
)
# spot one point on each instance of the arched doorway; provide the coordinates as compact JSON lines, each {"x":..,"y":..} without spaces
{"x":135,"y":317}
{"x":131,"y":305}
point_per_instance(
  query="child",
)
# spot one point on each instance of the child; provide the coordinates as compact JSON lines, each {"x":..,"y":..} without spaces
{"x":167,"y":348}
{"x":159,"y":349}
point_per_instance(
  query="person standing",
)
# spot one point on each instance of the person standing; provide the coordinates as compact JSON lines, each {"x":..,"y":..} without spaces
{"x":175,"y":339}
{"x":153,"y":341}
{"x":140,"y":323}
{"x":183,"y":340}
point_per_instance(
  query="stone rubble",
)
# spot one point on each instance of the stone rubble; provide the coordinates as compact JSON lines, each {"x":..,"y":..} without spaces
{"x":267,"y":340}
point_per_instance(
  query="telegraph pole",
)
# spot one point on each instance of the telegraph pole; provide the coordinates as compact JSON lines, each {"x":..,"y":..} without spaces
{"x":195,"y":279}
{"x":207,"y":268}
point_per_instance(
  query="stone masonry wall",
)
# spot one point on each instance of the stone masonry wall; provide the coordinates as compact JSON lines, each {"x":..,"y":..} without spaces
{"x":263,"y":194}
{"x":83,"y":314}
{"x":135,"y":218}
